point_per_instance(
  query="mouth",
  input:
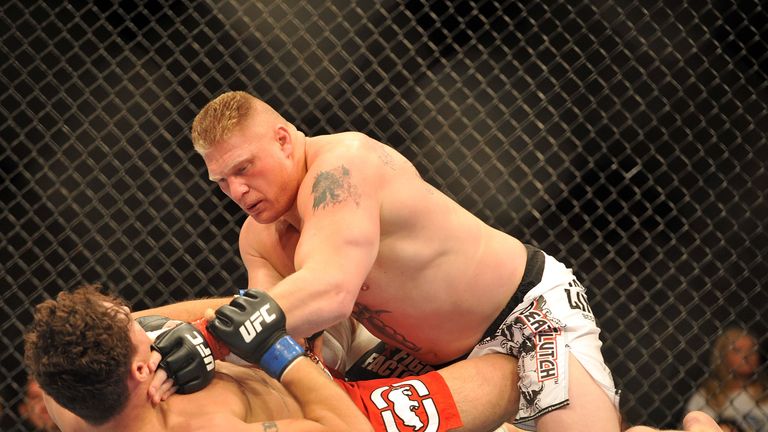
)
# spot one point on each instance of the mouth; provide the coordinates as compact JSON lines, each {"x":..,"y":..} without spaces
{"x":251,"y":209}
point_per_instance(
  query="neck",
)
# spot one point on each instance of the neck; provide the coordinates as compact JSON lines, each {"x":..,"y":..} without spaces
{"x":293,"y":218}
{"x":138,"y":415}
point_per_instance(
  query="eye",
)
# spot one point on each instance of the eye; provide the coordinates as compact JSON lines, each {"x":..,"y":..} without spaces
{"x":243,"y":168}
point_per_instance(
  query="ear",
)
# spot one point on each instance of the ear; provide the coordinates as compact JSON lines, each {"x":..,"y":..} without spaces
{"x":284,"y":138}
{"x":140,"y":370}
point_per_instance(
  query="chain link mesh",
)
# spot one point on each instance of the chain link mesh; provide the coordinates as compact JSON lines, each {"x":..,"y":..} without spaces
{"x":628,"y":139}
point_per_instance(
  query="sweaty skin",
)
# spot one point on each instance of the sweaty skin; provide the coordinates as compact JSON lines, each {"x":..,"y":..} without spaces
{"x":402,"y":244}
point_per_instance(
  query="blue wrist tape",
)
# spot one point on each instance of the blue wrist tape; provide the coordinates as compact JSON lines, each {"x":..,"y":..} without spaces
{"x":281,"y":354}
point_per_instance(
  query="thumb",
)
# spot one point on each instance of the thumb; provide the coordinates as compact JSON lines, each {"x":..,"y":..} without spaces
{"x":697,"y":421}
{"x":154,"y":360}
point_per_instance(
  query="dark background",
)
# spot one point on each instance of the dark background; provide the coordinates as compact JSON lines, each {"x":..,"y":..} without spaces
{"x":628,"y":139}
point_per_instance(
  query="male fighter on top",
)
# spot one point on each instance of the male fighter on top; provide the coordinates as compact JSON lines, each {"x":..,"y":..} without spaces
{"x":342,"y":224}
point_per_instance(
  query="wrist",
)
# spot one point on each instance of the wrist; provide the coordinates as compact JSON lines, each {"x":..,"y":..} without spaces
{"x":219,"y":350}
{"x":280,"y":355}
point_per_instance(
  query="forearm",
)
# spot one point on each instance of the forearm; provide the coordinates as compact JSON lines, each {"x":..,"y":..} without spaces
{"x":313,"y":302}
{"x":185,"y":311}
{"x":483,"y":407}
{"x":322,"y":400}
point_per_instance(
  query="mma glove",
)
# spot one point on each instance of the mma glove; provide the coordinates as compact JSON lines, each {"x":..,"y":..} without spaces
{"x":155,"y":323}
{"x":186,"y":355}
{"x":253,"y":327}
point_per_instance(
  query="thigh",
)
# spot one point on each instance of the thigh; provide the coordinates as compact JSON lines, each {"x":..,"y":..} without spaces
{"x":589,"y":408}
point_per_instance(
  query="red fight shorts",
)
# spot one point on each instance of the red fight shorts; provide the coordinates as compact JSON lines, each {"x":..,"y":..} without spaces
{"x":423,"y":403}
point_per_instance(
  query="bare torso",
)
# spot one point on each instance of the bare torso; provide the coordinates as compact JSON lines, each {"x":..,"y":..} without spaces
{"x":247,"y":393}
{"x":441,"y":275}
{"x":236,"y":392}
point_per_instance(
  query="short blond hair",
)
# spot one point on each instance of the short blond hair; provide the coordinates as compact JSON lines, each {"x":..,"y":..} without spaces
{"x":220,"y":117}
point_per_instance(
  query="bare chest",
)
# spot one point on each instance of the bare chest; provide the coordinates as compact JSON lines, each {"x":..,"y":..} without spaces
{"x":243,"y":393}
{"x":284,"y":241}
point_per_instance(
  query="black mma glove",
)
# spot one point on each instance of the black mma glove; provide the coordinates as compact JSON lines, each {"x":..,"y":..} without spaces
{"x":253,"y":327}
{"x":186,"y":355}
{"x":153,"y":323}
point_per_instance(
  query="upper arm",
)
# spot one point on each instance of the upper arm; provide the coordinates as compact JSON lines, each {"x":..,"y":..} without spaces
{"x":188,"y":310}
{"x":340,"y":206}
{"x":261,"y":273}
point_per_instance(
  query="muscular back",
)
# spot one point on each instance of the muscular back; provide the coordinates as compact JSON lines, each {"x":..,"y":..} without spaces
{"x":440,"y":275}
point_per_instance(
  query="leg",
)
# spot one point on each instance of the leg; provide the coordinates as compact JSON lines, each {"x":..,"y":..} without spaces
{"x":589,"y":409}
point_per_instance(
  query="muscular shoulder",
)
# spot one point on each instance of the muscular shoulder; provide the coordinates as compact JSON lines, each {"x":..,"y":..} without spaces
{"x":360,"y":150}
{"x":341,"y":146}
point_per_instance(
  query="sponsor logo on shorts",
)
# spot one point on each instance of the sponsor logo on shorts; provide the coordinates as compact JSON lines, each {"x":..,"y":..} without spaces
{"x":546,"y":355}
{"x":406,"y":406}
{"x":577,"y":299}
{"x":395,"y":363}
{"x":545,"y":336}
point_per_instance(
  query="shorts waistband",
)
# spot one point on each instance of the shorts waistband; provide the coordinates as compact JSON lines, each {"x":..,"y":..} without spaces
{"x":534,"y":269}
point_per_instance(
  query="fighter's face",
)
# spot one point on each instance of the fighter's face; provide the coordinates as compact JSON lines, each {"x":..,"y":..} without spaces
{"x":141,"y":342}
{"x":254,"y":169}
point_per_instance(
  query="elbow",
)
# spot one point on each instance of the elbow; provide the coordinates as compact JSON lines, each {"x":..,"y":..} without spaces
{"x":342,"y":300}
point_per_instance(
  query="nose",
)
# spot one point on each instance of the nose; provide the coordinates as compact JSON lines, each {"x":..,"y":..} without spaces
{"x":237,"y":188}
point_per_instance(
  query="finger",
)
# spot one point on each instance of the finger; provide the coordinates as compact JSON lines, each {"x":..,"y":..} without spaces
{"x":224,"y":316}
{"x":170,"y":391}
{"x":239,"y":304}
{"x":698,"y":421}
{"x":154,"y":360}
{"x":172,"y":324}
{"x":256,"y":295}
{"x":165,"y":390}
{"x":157,"y":397}
{"x":167,"y":384}
{"x":157,"y":382}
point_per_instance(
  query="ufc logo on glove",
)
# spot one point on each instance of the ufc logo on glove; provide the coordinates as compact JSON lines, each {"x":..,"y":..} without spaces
{"x":199,"y":343}
{"x":252,"y":327}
